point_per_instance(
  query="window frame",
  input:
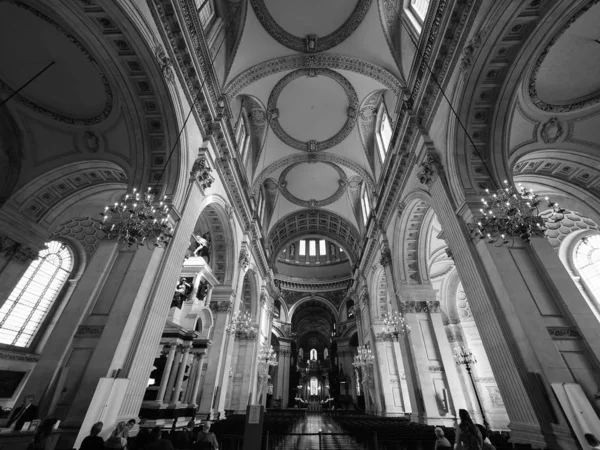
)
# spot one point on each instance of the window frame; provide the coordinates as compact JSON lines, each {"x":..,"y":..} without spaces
{"x":302,"y":247}
{"x":381,"y":146}
{"x":39,"y":336}
{"x":365,"y":206}
{"x":577,"y":269}
{"x":200,"y":5}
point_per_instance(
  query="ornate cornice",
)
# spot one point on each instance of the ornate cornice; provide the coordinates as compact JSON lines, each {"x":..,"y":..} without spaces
{"x":54,"y":115}
{"x":222,"y":306}
{"x":15,"y":250}
{"x":315,"y":286}
{"x":313,"y":146}
{"x":343,"y":181}
{"x":311,"y":43}
{"x":420,"y":307}
{"x":19,"y":356}
{"x":321,"y":60}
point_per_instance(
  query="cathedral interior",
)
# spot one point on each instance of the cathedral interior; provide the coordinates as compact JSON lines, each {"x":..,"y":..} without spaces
{"x":310,"y":234}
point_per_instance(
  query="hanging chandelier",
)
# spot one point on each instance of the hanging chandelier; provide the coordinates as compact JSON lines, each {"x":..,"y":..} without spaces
{"x":395,"y":325}
{"x":241,"y":326}
{"x":464,"y":356}
{"x":511,"y":213}
{"x":138,"y":220}
{"x":267,"y":356}
{"x":364,"y":358}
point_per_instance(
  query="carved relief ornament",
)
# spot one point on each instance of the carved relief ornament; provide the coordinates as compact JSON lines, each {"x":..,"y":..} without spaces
{"x":431,"y":167}
{"x":201,"y":172}
{"x":13,"y":249}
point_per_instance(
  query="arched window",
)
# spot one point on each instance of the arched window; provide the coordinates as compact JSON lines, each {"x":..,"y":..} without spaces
{"x":384,"y":131}
{"x":419,"y":9}
{"x":29,"y":303}
{"x":206,"y":11}
{"x":366,"y":206}
{"x":586,"y":259}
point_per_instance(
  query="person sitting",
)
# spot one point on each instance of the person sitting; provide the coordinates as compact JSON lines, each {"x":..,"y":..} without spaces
{"x":93,"y":441}
{"x":142,"y":439}
{"x":24,"y":413}
{"x":441,"y":441}
{"x":487,"y":444}
{"x":118,"y":438}
{"x":206,"y":440}
{"x":157,"y":442}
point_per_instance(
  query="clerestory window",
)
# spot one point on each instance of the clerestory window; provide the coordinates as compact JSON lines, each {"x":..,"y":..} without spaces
{"x":23,"y":313}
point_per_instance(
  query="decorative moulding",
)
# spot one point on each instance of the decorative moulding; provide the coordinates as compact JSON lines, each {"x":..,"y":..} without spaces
{"x":89,"y":331}
{"x":12,"y":356}
{"x":310,"y":43}
{"x":313,"y":146}
{"x":343,"y":182}
{"x":564,"y":333}
{"x":551,"y":131}
{"x":54,"y":115}
{"x":533,"y":93}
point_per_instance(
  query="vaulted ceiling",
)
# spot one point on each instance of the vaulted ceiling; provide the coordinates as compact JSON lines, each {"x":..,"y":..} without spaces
{"x":318,"y":96}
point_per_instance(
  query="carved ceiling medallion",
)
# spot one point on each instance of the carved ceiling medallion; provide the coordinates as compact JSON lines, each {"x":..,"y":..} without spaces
{"x":23,"y":99}
{"x":313,"y":146}
{"x":533,"y":79}
{"x":311,"y":43}
{"x":343,"y":183}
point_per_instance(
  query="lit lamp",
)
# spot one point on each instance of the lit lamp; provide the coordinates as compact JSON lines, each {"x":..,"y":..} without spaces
{"x":465,"y":357}
{"x":395,"y":325}
{"x":241,"y":326}
{"x":511,"y":213}
{"x":138,"y":220}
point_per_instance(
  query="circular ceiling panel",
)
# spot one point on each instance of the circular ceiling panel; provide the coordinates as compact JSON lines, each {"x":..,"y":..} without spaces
{"x":299,"y":103}
{"x":73,"y":90}
{"x":290,"y":22}
{"x":312,"y":108}
{"x":565,"y":78}
{"x":312,"y":185}
{"x":310,"y":16}
{"x":307,"y":181}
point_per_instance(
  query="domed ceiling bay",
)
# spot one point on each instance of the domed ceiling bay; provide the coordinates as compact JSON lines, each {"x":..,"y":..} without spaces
{"x":319,"y":72}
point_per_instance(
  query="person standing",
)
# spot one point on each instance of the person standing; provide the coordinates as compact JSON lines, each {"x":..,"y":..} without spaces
{"x":118,"y":438}
{"x":24,"y":413}
{"x":93,"y":441}
{"x":467,"y":434}
{"x":157,"y":442}
{"x":206,"y":440}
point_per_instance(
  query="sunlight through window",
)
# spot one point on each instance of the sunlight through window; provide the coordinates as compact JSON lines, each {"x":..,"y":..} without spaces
{"x":587,"y":262}
{"x":302,"y":247}
{"x":312,"y":248}
{"x":30,"y":301}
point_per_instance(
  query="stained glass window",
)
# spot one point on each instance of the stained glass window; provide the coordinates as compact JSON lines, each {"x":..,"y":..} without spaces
{"x":31,"y":300}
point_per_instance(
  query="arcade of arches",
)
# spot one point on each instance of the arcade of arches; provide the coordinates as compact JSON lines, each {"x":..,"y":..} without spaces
{"x":338,"y":176}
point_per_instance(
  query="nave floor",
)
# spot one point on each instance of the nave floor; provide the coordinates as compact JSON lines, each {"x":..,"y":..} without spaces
{"x":312,"y":424}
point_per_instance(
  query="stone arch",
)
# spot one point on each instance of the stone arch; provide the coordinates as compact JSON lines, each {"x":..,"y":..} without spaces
{"x":327,"y":304}
{"x":321,"y":60}
{"x":215,"y":218}
{"x":250,"y":294}
{"x":320,"y":222}
{"x":85,"y":234}
{"x":69,"y":190}
{"x":205,"y":319}
{"x":407,"y":237}
{"x":379,"y":294}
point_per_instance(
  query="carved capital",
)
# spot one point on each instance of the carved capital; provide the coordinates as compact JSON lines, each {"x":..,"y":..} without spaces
{"x":431,"y":167}
{"x":222,"y":306}
{"x":12,"y":249}
{"x":244,"y":258}
{"x":165,"y":63}
{"x":386,"y":257}
{"x":201,"y":172}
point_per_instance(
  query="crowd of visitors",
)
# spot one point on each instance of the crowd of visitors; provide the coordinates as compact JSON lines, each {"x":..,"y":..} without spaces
{"x":151,"y":439}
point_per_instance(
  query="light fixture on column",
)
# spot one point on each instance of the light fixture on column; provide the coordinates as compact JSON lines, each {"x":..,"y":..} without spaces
{"x":364,"y":358}
{"x":241,"y":326}
{"x":465,"y":357}
{"x":395,"y":325}
{"x":511,"y":213}
{"x":144,"y":219}
{"x":267,"y":356}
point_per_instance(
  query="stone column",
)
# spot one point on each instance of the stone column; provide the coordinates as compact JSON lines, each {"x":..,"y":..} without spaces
{"x":198,"y":378}
{"x":173,"y":375}
{"x":181,"y":373}
{"x":495,"y":281}
{"x":166,"y":373}
{"x":285,"y":354}
{"x":221,"y":305}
